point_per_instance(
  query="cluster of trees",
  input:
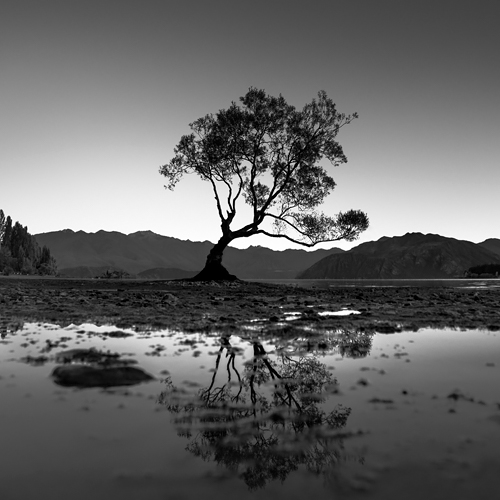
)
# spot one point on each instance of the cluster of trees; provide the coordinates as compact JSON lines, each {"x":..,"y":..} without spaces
{"x":111,"y":274}
{"x":485,"y":269}
{"x":20,"y":252}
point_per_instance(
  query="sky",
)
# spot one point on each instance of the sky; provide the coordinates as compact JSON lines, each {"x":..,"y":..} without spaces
{"x":95,"y":95}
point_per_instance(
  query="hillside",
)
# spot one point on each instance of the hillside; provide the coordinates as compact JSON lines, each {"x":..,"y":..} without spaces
{"x":146,"y":251}
{"x":411,"y":256}
{"x":491,"y":244}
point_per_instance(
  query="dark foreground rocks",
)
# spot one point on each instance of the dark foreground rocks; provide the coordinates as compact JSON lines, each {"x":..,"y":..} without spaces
{"x":99,"y":376}
{"x":265,"y":308}
{"x":84,"y":368}
{"x":92,"y":368}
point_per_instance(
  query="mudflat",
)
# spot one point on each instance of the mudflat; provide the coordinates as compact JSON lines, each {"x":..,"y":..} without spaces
{"x":269,"y":308}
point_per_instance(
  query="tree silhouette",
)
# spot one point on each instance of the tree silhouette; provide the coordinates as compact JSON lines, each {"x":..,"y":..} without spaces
{"x":266,"y":420}
{"x":3,"y":224}
{"x":267,"y":153}
{"x":19,"y":250}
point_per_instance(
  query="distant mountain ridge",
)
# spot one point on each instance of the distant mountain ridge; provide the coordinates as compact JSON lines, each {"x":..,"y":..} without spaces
{"x":412,"y":256}
{"x":491,"y":244}
{"x":153,"y":256}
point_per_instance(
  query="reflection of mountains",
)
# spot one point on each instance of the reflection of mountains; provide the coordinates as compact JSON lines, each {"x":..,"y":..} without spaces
{"x":267,"y":418}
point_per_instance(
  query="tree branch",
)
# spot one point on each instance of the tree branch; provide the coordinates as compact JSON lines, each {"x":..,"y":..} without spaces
{"x":217,"y":199}
{"x":303,"y":243}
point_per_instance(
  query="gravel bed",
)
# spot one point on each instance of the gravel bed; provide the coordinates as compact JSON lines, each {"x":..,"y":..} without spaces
{"x":261,"y":308}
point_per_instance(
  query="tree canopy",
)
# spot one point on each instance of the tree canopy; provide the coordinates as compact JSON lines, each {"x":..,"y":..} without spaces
{"x":267,"y":153}
{"x":20,"y":252}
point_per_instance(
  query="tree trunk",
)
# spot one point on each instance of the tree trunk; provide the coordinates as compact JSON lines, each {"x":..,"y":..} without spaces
{"x":214,"y":270}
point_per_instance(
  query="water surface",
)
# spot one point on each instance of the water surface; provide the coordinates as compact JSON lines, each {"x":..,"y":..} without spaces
{"x":344,"y":415}
{"x":476,"y":283}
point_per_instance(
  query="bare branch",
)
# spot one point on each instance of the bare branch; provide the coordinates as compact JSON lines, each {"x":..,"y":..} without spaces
{"x":217,"y":199}
{"x":293,"y":240}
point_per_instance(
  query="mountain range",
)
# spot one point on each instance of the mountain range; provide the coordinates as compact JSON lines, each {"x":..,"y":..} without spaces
{"x":148,"y":255}
{"x":152,"y":256}
{"x":412,"y":256}
{"x":492,"y":244}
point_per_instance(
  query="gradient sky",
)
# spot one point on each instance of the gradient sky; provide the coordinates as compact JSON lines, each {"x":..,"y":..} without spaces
{"x":94,"y":95}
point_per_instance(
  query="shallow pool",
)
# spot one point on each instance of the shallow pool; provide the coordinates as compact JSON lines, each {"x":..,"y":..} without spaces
{"x":345,"y":415}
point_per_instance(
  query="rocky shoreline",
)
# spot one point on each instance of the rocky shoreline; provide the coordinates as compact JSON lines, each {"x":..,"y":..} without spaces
{"x":261,"y":308}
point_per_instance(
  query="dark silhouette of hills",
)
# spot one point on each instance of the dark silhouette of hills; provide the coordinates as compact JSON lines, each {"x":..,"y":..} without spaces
{"x":491,"y":244}
{"x":412,"y":256}
{"x":152,"y":256}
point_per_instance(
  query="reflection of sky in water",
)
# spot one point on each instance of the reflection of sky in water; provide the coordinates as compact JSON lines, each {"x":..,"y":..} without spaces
{"x":95,"y":443}
{"x":291,"y":315}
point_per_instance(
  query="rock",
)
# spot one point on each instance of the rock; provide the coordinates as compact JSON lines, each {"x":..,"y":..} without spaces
{"x":363,"y":381}
{"x":457,"y":395}
{"x":387,"y":328}
{"x":383,"y":401}
{"x":117,"y":334}
{"x":169,"y":299}
{"x":74,"y":375}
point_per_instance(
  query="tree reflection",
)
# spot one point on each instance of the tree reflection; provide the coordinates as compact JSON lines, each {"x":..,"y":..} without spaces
{"x":267,"y":417}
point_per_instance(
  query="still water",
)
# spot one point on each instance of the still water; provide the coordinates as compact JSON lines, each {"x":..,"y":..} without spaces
{"x":365,"y":283}
{"x":345,"y":415}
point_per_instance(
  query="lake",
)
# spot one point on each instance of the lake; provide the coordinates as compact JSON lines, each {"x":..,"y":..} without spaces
{"x":346,"y":415}
{"x":337,"y":283}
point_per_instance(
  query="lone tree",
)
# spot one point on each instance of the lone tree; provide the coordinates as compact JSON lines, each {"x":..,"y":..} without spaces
{"x":267,"y":153}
